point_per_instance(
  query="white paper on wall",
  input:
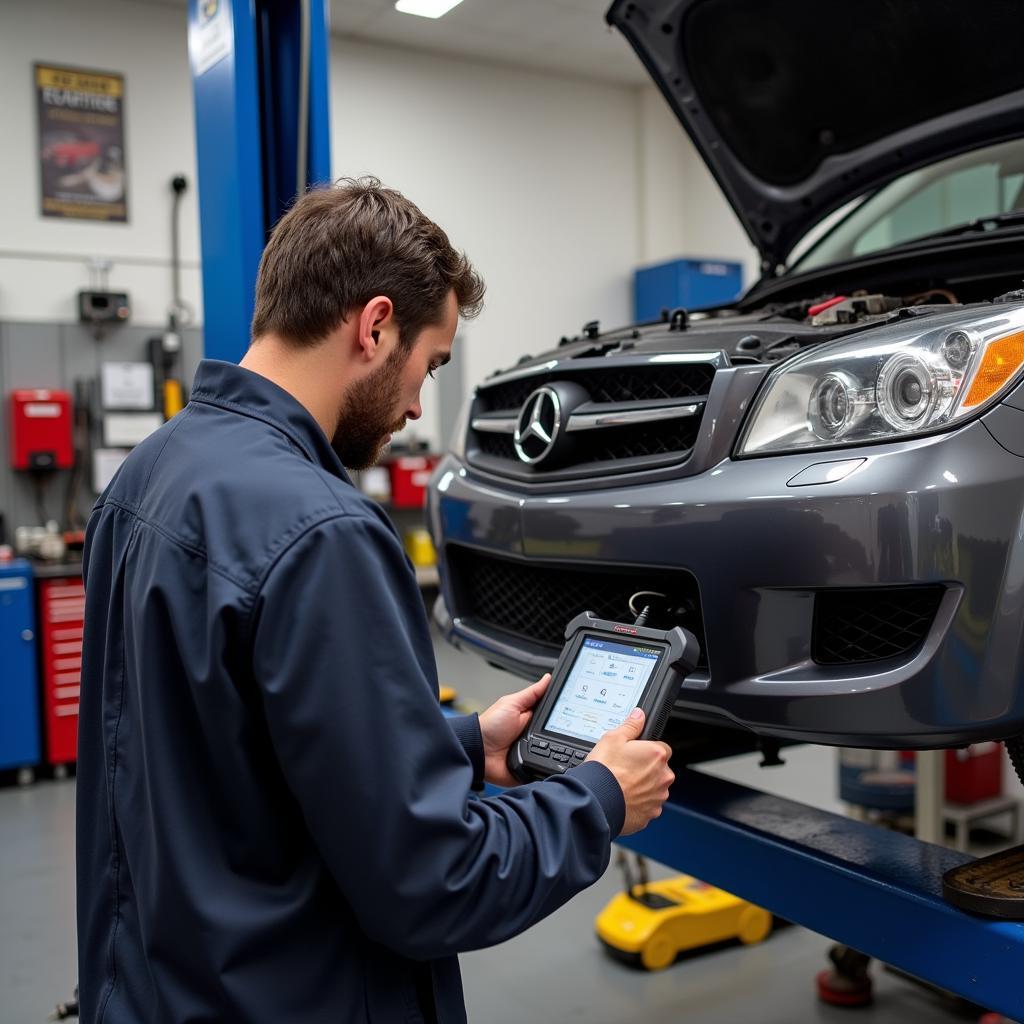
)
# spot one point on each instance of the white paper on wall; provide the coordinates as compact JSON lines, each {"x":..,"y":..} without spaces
{"x":127,"y":429}
{"x":105,"y":463}
{"x":126,"y":386}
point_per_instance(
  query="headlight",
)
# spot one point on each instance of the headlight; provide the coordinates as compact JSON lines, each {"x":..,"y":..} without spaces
{"x":911,"y":377}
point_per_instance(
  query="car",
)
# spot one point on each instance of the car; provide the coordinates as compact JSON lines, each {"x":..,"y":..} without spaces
{"x":823,"y":480}
{"x":651,"y":925}
{"x":70,"y":153}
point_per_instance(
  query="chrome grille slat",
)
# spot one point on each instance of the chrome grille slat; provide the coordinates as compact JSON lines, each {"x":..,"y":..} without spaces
{"x":642,"y":412}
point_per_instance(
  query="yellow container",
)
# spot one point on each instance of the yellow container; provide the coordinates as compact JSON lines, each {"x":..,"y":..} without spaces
{"x":420,"y":548}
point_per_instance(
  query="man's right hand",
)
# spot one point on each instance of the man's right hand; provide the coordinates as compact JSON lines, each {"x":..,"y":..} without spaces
{"x":640,"y":767}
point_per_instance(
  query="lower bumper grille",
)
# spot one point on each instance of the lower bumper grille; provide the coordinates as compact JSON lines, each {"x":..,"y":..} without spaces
{"x":872,"y":623}
{"x":536,"y":601}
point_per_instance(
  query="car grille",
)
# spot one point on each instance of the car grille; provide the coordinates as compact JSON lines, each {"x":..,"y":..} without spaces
{"x":636,"y":442}
{"x":632,"y":389}
{"x":534,"y":601}
{"x":609,"y":384}
{"x":872,"y":623}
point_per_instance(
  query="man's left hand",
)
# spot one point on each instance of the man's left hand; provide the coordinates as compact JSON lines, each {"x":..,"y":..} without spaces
{"x":500,"y":726}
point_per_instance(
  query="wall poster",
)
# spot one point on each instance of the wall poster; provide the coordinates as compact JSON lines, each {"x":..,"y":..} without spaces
{"x":81,"y":143}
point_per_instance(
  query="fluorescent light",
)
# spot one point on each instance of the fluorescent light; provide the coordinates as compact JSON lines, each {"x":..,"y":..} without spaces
{"x":426,"y":8}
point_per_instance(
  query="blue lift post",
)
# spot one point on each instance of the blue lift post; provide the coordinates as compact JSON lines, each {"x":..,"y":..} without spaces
{"x":873,"y":890}
{"x":260,"y":81}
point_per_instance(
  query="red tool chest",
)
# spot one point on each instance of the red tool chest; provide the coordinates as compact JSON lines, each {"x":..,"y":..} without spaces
{"x":62,"y":617}
{"x":974,"y":773}
{"x":409,"y":477}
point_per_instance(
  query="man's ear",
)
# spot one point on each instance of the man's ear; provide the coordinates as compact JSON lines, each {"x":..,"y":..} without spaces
{"x":374,"y":319}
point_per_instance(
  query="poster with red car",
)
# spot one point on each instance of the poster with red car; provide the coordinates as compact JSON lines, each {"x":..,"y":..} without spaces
{"x":81,"y":143}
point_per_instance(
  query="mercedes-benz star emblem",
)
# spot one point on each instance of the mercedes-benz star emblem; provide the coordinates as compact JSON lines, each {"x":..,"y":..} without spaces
{"x":539,"y":422}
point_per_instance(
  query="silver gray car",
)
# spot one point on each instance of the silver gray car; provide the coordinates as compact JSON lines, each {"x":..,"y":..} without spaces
{"x":825,"y":480}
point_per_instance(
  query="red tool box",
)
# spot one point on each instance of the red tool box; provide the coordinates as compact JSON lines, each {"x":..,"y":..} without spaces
{"x":409,"y":476}
{"x":974,"y":773}
{"x":62,"y":618}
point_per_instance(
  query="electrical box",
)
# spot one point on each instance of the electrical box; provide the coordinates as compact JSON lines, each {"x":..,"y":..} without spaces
{"x":103,"y":307}
{"x":690,"y":284}
{"x":41,"y":430}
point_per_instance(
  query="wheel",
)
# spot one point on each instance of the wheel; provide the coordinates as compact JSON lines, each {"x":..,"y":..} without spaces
{"x":755,"y":925}
{"x":659,"y":952}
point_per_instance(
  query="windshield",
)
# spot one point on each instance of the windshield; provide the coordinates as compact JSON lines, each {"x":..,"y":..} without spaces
{"x":985,"y":183}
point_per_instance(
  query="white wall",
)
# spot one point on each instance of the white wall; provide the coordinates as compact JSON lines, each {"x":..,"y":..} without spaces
{"x":43,"y":259}
{"x":533,"y":175}
{"x":682,"y":210}
{"x":556,"y":187}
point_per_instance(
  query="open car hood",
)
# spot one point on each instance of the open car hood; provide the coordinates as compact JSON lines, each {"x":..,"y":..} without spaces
{"x":798,"y":106}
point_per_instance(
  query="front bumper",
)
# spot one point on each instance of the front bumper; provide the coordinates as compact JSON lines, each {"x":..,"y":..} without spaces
{"x":943,"y":510}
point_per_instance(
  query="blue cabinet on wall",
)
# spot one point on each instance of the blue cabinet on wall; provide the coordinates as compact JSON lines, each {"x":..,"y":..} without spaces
{"x":690,"y":284}
{"x":19,"y":678}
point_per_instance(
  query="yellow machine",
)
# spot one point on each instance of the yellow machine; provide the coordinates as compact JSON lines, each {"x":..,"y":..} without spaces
{"x":651,"y":923}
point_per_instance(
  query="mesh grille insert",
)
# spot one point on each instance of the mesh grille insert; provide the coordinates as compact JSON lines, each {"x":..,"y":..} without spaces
{"x":623,"y":384}
{"x":535,"y":602}
{"x":872,"y":623}
{"x":642,"y":440}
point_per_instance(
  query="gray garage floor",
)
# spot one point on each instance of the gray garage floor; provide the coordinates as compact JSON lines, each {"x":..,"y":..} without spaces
{"x":555,"y":972}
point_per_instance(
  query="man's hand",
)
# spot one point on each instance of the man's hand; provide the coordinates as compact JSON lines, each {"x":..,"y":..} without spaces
{"x":500,"y":726}
{"x":640,"y":767}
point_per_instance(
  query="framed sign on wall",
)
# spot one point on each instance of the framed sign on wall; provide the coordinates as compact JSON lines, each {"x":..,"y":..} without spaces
{"x":81,"y":143}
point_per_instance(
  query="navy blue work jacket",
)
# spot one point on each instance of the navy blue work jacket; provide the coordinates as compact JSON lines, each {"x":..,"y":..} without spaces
{"x":275,"y":819}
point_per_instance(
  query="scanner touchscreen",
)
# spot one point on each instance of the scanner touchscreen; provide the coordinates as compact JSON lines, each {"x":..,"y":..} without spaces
{"x":605,"y":683}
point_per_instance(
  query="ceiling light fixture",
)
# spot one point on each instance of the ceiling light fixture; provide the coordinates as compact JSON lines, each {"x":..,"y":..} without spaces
{"x":426,"y":8}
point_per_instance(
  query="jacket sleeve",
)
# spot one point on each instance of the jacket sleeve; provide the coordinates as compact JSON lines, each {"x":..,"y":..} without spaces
{"x":467,"y":732}
{"x":343,"y":659}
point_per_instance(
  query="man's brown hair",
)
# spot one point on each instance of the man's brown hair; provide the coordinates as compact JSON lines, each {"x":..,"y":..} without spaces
{"x":338,"y":247}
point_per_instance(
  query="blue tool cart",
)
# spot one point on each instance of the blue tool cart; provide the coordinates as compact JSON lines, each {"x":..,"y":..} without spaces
{"x":690,"y":284}
{"x":19,"y":676}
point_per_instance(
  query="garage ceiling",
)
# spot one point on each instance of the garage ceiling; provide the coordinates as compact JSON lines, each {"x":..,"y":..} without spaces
{"x":567,"y":36}
{"x":563,"y":36}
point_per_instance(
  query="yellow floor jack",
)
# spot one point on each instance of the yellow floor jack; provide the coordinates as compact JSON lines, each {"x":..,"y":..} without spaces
{"x":650,"y":923}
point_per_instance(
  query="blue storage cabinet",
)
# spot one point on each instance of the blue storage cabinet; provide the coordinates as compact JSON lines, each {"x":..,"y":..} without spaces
{"x":19,"y":677}
{"x":691,"y":284}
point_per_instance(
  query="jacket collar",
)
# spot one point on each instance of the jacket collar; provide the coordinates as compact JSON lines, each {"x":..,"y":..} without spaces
{"x":229,"y":386}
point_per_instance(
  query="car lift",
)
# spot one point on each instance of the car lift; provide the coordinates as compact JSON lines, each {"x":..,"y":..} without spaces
{"x":260,"y":75}
{"x":869,"y":888}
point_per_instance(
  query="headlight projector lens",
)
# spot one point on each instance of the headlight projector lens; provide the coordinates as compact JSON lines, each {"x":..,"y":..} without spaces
{"x":957,"y":349}
{"x":909,"y":391}
{"x":831,"y":408}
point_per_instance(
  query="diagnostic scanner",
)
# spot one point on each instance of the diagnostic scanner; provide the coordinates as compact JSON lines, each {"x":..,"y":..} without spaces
{"x":604,"y":671}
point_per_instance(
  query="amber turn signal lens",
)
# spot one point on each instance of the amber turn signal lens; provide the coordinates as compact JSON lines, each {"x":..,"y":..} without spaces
{"x":1002,"y":359}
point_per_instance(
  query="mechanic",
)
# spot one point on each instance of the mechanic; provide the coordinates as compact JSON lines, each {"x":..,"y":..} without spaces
{"x":275,"y":819}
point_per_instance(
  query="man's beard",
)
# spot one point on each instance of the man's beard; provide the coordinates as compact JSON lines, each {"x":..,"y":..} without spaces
{"x":366,"y":420}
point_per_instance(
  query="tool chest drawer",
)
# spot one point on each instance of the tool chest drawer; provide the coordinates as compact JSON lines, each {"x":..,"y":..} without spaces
{"x":62,"y":618}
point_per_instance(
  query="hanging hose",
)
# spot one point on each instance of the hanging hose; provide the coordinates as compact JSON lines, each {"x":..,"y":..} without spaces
{"x":1015,"y":748}
{"x":302,"y":118}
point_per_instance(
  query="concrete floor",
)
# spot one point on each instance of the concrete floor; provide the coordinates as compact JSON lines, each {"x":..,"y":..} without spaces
{"x":555,"y":972}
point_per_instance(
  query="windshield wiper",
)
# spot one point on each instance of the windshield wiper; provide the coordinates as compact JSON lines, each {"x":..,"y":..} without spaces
{"x":969,"y":227}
